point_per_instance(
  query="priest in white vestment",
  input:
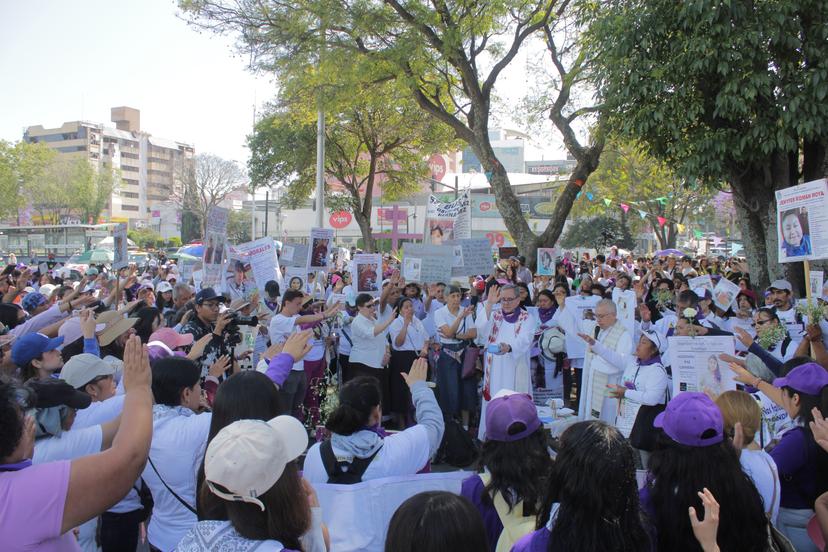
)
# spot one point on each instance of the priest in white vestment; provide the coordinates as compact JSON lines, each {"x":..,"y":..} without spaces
{"x":507,"y":334}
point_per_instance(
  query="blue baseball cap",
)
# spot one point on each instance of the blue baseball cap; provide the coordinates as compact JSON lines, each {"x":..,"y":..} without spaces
{"x":32,"y":300}
{"x":32,"y":346}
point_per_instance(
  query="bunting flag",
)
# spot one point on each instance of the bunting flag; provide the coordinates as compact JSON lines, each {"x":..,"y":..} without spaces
{"x":680,"y":227}
{"x":590,"y":196}
{"x":734,"y":249}
{"x":698,"y":233}
{"x":607,"y":202}
{"x":662,"y":221}
{"x":642,"y":214}
{"x":625,"y":207}
{"x":716,"y":241}
{"x":662,"y":200}
{"x":578,"y":195}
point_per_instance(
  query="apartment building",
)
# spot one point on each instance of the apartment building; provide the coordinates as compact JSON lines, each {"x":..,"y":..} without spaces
{"x":147,"y":165}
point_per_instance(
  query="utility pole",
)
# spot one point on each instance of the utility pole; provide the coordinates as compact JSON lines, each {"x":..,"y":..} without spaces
{"x":320,"y":146}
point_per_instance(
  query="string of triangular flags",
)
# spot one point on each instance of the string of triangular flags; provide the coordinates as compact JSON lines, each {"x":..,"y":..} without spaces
{"x":698,"y":234}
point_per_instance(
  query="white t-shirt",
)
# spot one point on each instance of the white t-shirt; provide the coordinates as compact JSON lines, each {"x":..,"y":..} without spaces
{"x":761,"y":468}
{"x":444,"y":317}
{"x":179,"y":439}
{"x":368,"y":349}
{"x":415,"y":335}
{"x":345,"y":330}
{"x":69,"y":445}
{"x":99,"y":412}
{"x":280,"y":328}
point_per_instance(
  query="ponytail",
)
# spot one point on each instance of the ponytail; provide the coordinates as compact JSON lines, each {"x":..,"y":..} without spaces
{"x":357,"y":400}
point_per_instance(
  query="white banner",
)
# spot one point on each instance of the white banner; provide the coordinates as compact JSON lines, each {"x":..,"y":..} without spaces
{"x":447,"y":221}
{"x":802,"y":221}
{"x":119,"y":247}
{"x":696,"y":364}
{"x":214,"y":245}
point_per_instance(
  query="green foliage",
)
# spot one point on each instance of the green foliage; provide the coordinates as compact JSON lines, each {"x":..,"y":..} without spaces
{"x":22,"y":168}
{"x":713,"y":86}
{"x":146,"y":238}
{"x":174,"y":241}
{"x":597,"y":233}
{"x":238,"y":226}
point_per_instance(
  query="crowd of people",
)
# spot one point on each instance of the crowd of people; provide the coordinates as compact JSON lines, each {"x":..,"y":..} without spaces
{"x":136,"y":406}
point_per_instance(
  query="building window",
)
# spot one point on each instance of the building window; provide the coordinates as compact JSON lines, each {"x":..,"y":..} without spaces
{"x":131,"y":195}
{"x":129,"y":208}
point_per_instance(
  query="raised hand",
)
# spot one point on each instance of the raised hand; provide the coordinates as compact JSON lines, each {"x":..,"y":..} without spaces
{"x":494,"y":295}
{"x":418,"y":372}
{"x":197,"y":350}
{"x":705,"y":531}
{"x":137,"y":371}
{"x":297,"y":344}
{"x":219,"y":367}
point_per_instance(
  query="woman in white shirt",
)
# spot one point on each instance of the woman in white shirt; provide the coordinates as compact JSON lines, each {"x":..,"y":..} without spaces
{"x":739,"y":407}
{"x":369,"y":352}
{"x":455,"y":326}
{"x":409,"y":340}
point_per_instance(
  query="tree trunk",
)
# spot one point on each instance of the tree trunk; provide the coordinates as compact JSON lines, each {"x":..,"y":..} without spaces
{"x":672,"y":235}
{"x":369,"y":245}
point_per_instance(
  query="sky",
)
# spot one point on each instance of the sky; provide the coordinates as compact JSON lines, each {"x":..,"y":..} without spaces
{"x":69,"y":60}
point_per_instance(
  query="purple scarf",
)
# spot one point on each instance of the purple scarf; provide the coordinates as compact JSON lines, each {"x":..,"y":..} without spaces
{"x":545,"y":314}
{"x":512,"y":317}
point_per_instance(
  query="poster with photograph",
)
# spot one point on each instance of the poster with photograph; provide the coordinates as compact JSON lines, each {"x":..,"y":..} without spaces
{"x":816,"y":283}
{"x":696,"y":364}
{"x":625,"y":303}
{"x":457,"y":260}
{"x":321,"y":242}
{"x":119,"y":249}
{"x":724,"y":294}
{"x":263,"y":258}
{"x":476,"y":257}
{"x":802,"y":222}
{"x":435,"y":261}
{"x":411,"y":271}
{"x":627,"y":412}
{"x":546,"y":261}
{"x":581,"y":312}
{"x":238,"y":281}
{"x":186,"y":269}
{"x":294,"y":254}
{"x":214,"y":242}
{"x":701,"y":282}
{"x":296,"y":277}
{"x":447,"y":221}
{"x":366,"y":273}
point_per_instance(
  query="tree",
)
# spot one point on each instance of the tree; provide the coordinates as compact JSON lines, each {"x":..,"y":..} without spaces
{"x":723,"y":91}
{"x":448,"y":56}
{"x":146,"y":238}
{"x":597,"y":233}
{"x":238,"y":226}
{"x":376,"y":137}
{"x":22,"y":167}
{"x":205,"y":183}
{"x":89,"y":190}
{"x":627,"y":175}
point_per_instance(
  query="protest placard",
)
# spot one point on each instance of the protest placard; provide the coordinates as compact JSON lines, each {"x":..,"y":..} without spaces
{"x":296,"y":277}
{"x":447,"y":221}
{"x":214,"y":242}
{"x":546,"y":261}
{"x":321,"y":241}
{"x":701,"y":282}
{"x":434,"y":260}
{"x":294,"y":254}
{"x":802,"y":222}
{"x":263,"y":260}
{"x":119,"y":240}
{"x":580,"y":318}
{"x":816,"y":283}
{"x":696,"y":364}
{"x":625,"y":303}
{"x":366,"y":273}
{"x":238,"y":278}
{"x":476,"y":257}
{"x":724,"y":294}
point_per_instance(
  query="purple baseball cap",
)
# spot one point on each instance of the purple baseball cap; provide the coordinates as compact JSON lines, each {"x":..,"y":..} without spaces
{"x":808,"y":378}
{"x":502,"y":412}
{"x":692,"y":419}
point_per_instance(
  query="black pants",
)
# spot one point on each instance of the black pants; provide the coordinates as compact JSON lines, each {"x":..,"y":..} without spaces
{"x":120,"y":531}
{"x":568,"y":379}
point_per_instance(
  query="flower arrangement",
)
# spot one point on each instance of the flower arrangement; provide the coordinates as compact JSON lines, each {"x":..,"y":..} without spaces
{"x":663,"y":298}
{"x":690,"y":313}
{"x":770,"y":335}
{"x":811,"y":310}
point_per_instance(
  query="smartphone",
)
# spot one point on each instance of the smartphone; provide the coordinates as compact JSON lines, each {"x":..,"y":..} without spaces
{"x":494,"y":349}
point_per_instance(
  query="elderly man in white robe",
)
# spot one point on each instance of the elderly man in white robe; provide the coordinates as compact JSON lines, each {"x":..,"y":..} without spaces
{"x":507,"y":334}
{"x":599,"y":373}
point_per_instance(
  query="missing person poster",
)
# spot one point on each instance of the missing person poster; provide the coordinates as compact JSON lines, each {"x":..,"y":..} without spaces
{"x":724,"y":294}
{"x":580,"y":313}
{"x":546,"y":261}
{"x":366,"y":273}
{"x":435,"y":262}
{"x":296,"y":277}
{"x":119,"y":242}
{"x":448,"y":221}
{"x":696,"y":364}
{"x":702,"y":282}
{"x":475,"y":257}
{"x":239,"y":281}
{"x":625,"y":303}
{"x":321,"y":241}
{"x":294,"y":254}
{"x":214,"y":241}
{"x":802,"y":222}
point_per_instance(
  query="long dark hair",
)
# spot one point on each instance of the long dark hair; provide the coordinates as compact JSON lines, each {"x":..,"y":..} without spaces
{"x":437,"y":521}
{"x":357,"y":400}
{"x":247,"y":395}
{"x":678,"y":472}
{"x":286,"y":516}
{"x":519,"y":469}
{"x":146,"y":318}
{"x":593,"y":481}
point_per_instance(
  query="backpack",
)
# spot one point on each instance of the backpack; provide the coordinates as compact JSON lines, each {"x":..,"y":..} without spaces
{"x":457,"y":449}
{"x":341,"y":472}
{"x":552,"y":342}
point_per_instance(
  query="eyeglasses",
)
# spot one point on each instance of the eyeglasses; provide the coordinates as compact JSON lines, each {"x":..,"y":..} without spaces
{"x":507,"y":299}
{"x":210,"y":305}
{"x":762,"y":322}
{"x":602,"y":315}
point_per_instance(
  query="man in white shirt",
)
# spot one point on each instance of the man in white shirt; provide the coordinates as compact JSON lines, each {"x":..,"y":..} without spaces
{"x":281,"y":326}
{"x":781,"y":294}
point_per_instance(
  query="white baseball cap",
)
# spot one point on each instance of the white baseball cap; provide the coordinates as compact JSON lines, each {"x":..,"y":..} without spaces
{"x":83,"y":368}
{"x":163,"y":286}
{"x":657,"y":339}
{"x":248,"y":457}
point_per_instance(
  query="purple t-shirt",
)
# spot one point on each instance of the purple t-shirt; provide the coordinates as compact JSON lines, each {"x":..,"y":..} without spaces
{"x":473,"y":490}
{"x":536,"y":541}
{"x":795,"y":458}
{"x":31,"y":508}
